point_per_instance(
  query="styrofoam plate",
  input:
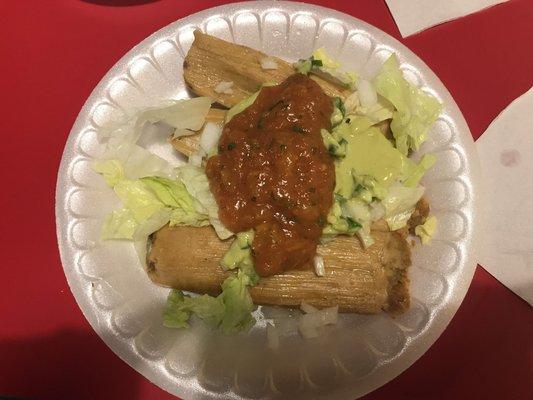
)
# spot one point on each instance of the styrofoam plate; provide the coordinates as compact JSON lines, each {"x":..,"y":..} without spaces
{"x":124,"y":307}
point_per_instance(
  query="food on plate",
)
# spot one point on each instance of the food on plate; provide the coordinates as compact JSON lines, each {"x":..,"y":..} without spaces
{"x":302,"y":193}
{"x":211,"y":61}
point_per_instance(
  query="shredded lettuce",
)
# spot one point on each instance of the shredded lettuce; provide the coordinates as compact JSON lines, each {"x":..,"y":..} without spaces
{"x":231,"y":311}
{"x":182,"y":115}
{"x":321,"y":64}
{"x":173,"y":193}
{"x":178,"y":309}
{"x":426,"y":231}
{"x":197,"y":184}
{"x":239,"y":255}
{"x":415,"y":110}
{"x":111,"y":170}
{"x":241,"y":106}
{"x":400,"y":204}
{"x":126,"y":160}
{"x":119,"y":224}
{"x":137,"y":198}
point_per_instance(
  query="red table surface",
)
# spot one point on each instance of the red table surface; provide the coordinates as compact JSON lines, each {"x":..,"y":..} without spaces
{"x":53,"y":53}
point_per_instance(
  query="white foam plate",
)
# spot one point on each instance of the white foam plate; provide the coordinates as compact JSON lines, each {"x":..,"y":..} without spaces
{"x":124,"y":307}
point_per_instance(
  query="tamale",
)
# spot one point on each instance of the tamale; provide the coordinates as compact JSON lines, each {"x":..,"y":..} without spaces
{"x":357,"y":280}
{"x":211,"y":60}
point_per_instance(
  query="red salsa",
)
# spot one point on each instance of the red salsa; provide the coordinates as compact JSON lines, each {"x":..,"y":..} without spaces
{"x":274,"y":174}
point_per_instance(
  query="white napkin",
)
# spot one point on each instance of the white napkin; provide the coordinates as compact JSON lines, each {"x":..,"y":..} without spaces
{"x":413,"y":16}
{"x":506,"y":153}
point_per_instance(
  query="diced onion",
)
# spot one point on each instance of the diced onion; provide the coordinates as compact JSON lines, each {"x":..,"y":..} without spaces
{"x":367,"y":93}
{"x":377,"y":210}
{"x":268,"y":63}
{"x":272,"y":336}
{"x":209,"y":136}
{"x":195,"y":159}
{"x":224,"y":87}
{"x":318,"y":263}
{"x":352,"y":102}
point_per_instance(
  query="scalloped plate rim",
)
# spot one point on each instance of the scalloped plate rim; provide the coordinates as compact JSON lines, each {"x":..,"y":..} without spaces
{"x":122,"y":349}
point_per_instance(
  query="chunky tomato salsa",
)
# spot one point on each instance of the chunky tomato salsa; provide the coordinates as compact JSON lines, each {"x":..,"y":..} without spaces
{"x":274,"y":174}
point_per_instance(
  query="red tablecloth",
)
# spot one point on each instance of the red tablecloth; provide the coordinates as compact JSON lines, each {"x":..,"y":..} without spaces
{"x":52,"y":55}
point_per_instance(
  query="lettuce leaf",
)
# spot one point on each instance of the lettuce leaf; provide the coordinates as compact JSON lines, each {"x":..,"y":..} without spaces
{"x":241,"y":106}
{"x":111,"y":170}
{"x":231,"y":311}
{"x":197,"y":184}
{"x":239,"y":255}
{"x":173,"y":193}
{"x":119,"y":224}
{"x":183,"y":115}
{"x":400,"y":204}
{"x":238,"y":303}
{"x":415,"y":110}
{"x":137,"y":198}
{"x":426,"y":231}
{"x":126,"y":160}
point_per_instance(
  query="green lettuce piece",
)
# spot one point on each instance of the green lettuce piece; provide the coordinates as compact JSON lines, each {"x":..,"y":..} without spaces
{"x":400,"y":204}
{"x":231,"y":311}
{"x":337,"y":223}
{"x":123,"y":159}
{"x":175,"y":315}
{"x":328,"y":68}
{"x":303,"y":66}
{"x":186,"y":114}
{"x":173,"y":193}
{"x":119,"y":224}
{"x":150,"y":203}
{"x":239,"y":255}
{"x":321,"y":64}
{"x":241,"y":106}
{"x":137,"y":198}
{"x":426,"y":231}
{"x":182,"y":217}
{"x":197,"y":184}
{"x":325,"y":60}
{"x":111,"y":170}
{"x":415,"y":110}
{"x":179,"y":308}
{"x":238,"y":303}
